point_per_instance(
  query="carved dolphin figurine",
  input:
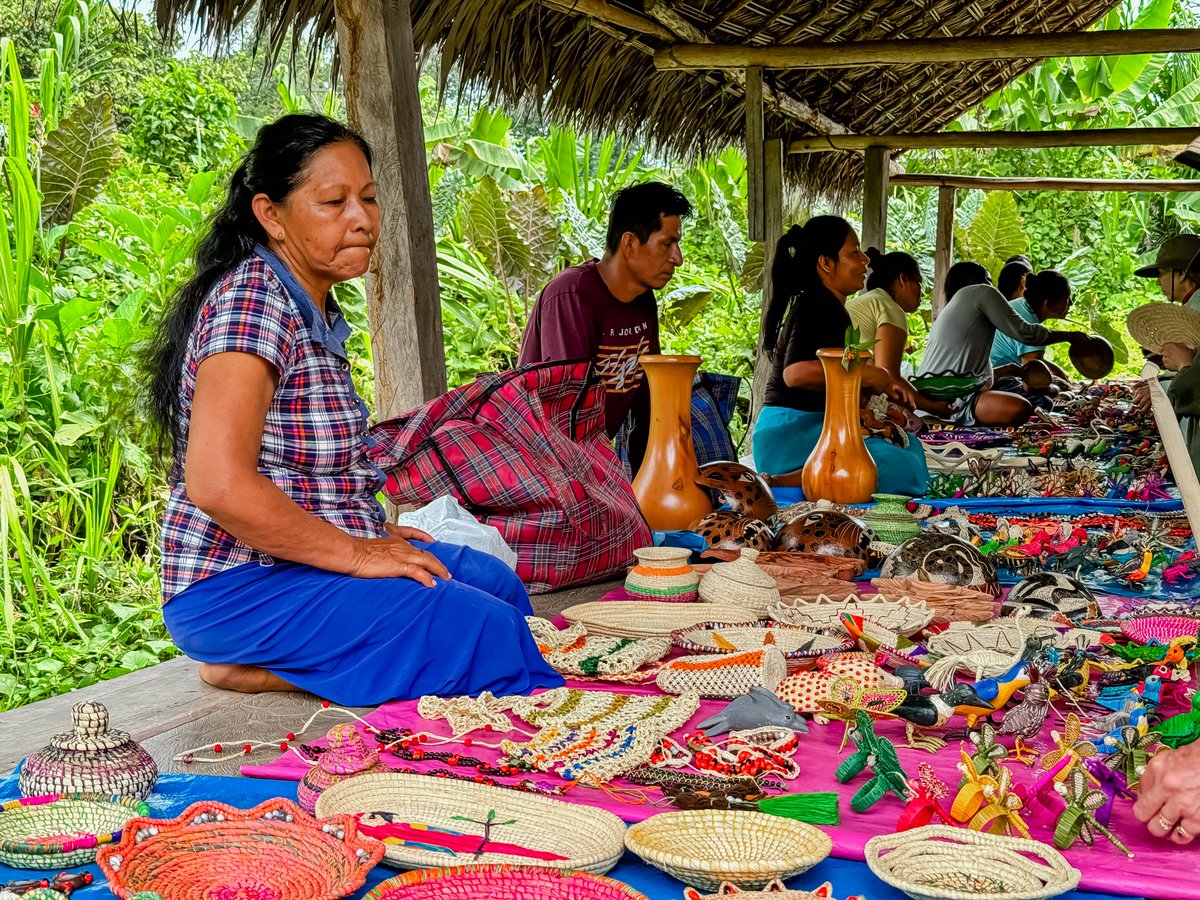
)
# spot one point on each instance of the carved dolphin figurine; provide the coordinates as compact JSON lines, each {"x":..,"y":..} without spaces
{"x":754,"y":709}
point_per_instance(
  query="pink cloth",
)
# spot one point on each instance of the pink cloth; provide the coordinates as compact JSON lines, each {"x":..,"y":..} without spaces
{"x":1158,"y":868}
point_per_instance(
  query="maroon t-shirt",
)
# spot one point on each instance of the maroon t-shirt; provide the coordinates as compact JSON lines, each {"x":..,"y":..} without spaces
{"x":577,"y":317}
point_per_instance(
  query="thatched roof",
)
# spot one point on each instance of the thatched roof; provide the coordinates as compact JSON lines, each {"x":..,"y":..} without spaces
{"x":540,"y":54}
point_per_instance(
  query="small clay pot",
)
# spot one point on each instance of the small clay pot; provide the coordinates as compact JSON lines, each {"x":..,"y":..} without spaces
{"x":744,"y":490}
{"x":730,"y":531}
{"x":826,"y":533}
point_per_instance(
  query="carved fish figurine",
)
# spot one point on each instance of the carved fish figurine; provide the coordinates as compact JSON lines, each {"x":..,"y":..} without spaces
{"x":754,"y":709}
{"x":774,"y":890}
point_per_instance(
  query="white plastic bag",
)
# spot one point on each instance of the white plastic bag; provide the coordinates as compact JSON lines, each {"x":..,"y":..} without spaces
{"x":449,"y":522}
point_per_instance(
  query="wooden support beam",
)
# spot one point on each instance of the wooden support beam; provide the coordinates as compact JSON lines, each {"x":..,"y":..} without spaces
{"x":977,"y":182}
{"x":611,"y":15}
{"x":384,"y":103}
{"x":773,"y":218}
{"x":943,"y":246}
{"x":755,"y":196}
{"x":875,"y":198}
{"x":990,"y":140}
{"x":926,"y":51}
{"x":684,"y":29}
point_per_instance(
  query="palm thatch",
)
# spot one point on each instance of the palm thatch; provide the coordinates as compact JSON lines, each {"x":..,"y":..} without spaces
{"x":541,"y":55}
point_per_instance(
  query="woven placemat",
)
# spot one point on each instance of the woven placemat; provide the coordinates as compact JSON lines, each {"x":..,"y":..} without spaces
{"x":643,"y":618}
{"x":502,"y":883}
{"x":562,"y":835}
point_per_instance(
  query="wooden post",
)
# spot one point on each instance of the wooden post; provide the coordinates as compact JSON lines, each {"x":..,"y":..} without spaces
{"x":773,"y":221}
{"x":384,"y":103}
{"x":943,"y":251}
{"x":875,"y":197}
{"x":754,"y":155}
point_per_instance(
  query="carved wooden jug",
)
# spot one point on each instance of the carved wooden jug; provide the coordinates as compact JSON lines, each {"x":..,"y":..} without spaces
{"x":665,"y":485}
{"x":840,"y":468}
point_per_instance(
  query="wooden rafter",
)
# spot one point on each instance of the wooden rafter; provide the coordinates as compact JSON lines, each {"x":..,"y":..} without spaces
{"x":945,"y":140}
{"x":1046,"y":184}
{"x":612,"y":15}
{"x":956,"y":50}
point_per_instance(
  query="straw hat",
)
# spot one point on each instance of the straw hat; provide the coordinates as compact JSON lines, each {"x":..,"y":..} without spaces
{"x":1155,"y":324}
{"x":1175,"y":253}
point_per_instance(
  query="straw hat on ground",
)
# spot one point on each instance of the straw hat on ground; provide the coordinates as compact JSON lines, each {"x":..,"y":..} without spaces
{"x":1155,"y":324}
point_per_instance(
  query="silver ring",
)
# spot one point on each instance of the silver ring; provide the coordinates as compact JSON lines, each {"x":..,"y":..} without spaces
{"x":1165,"y":825}
{"x":1182,"y":832}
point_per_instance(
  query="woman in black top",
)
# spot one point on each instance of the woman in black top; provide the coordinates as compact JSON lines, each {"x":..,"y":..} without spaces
{"x":816,"y":267}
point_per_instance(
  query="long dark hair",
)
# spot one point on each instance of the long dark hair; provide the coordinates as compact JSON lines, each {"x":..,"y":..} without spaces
{"x":276,"y":165}
{"x":886,"y":268}
{"x":1045,"y":287}
{"x":964,"y":274}
{"x":1010,"y":276}
{"x":794,"y":276}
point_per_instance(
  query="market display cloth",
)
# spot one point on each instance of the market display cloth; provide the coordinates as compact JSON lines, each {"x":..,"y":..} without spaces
{"x":174,"y":793}
{"x":1155,"y":870}
{"x":1058,"y":506}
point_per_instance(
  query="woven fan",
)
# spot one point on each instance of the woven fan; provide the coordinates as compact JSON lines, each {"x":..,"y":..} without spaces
{"x":1154,"y":324}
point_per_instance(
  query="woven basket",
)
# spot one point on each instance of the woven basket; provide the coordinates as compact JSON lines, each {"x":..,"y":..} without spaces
{"x":58,"y":831}
{"x":502,"y":883}
{"x":904,"y":616}
{"x":662,"y":574}
{"x":1154,"y":324}
{"x":275,"y":851}
{"x":587,"y":838}
{"x":724,"y":677}
{"x":91,"y":758}
{"x":740,"y":582}
{"x":800,"y":647}
{"x":937,"y":862}
{"x":1160,"y":629}
{"x":705,"y":847}
{"x":1006,"y":635}
{"x":347,"y":756}
{"x":834,"y":589}
{"x":638,"y":618}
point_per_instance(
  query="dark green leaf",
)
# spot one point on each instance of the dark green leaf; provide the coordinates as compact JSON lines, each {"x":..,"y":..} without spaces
{"x":77,"y":159}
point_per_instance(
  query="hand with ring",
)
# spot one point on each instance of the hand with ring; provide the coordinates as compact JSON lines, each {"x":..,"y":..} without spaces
{"x":1169,"y":794}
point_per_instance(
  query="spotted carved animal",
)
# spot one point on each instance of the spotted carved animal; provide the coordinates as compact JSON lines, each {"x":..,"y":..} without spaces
{"x":942,"y":558}
{"x":743,"y":489}
{"x":826,"y":533}
{"x":729,"y":531}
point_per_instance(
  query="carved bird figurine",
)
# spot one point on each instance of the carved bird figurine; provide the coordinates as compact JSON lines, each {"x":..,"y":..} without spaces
{"x":935,"y":711}
{"x":996,"y":692}
{"x":1149,"y":692}
{"x":1182,"y":729}
{"x":1026,"y":719}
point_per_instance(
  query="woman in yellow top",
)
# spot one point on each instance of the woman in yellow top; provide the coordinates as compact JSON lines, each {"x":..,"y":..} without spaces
{"x":880,"y":312}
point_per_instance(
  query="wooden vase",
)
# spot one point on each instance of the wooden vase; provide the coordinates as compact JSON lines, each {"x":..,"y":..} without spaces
{"x":840,"y":468}
{"x":665,"y":485}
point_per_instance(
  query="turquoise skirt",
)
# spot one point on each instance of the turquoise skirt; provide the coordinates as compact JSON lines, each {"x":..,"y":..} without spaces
{"x":784,"y":438}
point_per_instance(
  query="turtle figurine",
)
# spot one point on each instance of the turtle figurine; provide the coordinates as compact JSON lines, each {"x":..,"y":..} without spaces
{"x":826,"y":532}
{"x":944,"y":559}
{"x":743,"y":490}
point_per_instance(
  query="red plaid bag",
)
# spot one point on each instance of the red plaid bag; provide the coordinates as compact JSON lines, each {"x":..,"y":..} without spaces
{"x":525,"y":451}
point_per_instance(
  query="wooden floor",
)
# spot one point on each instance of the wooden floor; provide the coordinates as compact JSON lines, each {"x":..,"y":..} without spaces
{"x":168,"y":709}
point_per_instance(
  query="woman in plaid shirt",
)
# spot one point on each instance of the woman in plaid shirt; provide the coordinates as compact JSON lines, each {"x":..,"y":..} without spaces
{"x":279,"y":569}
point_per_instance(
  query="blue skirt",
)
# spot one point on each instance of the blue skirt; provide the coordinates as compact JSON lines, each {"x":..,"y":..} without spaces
{"x":364,"y":641}
{"x":784,"y":438}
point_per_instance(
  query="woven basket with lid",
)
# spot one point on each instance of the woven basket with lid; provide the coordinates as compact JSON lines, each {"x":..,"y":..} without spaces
{"x":90,"y":759}
{"x":740,"y":582}
{"x":347,"y":755}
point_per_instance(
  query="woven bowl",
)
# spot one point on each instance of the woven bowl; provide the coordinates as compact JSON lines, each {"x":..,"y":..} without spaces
{"x":1160,"y":629}
{"x":32,"y":830}
{"x":950,"y":602}
{"x":904,"y":616}
{"x":586,"y":838}
{"x":799,"y":646}
{"x":502,"y":883}
{"x":275,"y":851}
{"x":644,"y":618}
{"x":937,"y":862}
{"x":705,"y":847}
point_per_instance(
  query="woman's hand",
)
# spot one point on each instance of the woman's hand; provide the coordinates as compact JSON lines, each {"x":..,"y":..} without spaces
{"x":1177,"y":356}
{"x":408,"y":533}
{"x":1169,"y":794}
{"x":903,"y":393}
{"x":1141,"y":396}
{"x":395,"y":557}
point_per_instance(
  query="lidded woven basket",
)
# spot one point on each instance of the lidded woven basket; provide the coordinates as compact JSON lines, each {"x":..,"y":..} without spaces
{"x":346,"y":756}
{"x":90,"y":759}
{"x":740,"y":582}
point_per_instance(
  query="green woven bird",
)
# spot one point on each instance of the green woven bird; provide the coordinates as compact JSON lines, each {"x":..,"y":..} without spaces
{"x":1182,"y":729}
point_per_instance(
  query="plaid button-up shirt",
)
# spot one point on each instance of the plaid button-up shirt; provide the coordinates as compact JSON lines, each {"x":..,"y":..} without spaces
{"x":315,"y":441}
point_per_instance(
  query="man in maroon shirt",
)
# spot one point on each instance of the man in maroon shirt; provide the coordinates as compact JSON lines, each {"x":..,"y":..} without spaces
{"x":605,"y":310}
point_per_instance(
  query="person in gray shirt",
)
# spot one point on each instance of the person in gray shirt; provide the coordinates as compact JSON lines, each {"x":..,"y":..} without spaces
{"x":960,"y":343}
